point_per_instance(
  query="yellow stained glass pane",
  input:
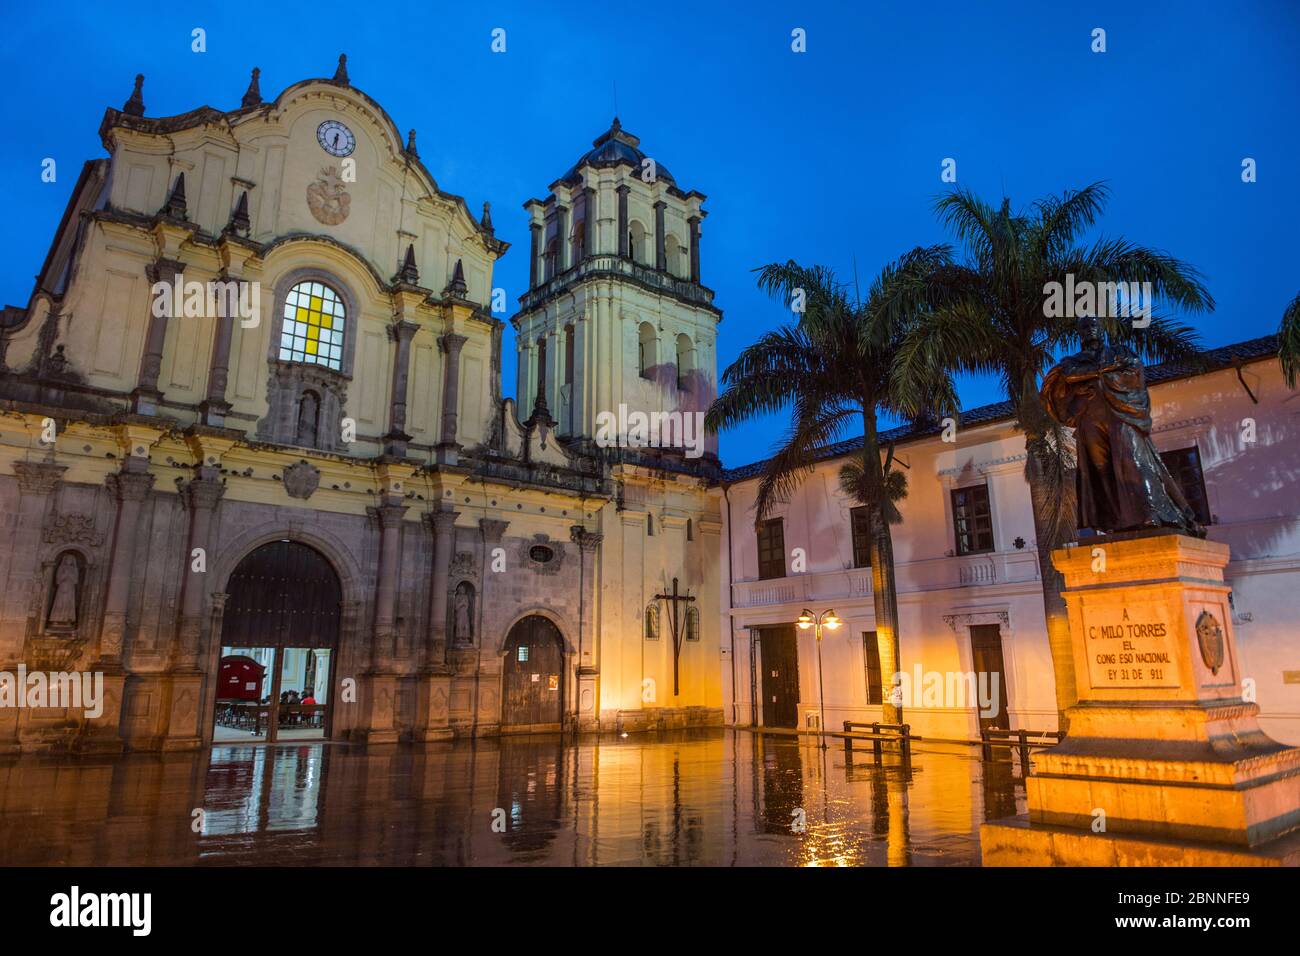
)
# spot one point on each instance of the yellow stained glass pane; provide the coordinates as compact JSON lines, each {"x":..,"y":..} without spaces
{"x":310,"y":347}
{"x":316,"y":303}
{"x":313,"y":332}
{"x":327,"y":321}
{"x":301,"y":315}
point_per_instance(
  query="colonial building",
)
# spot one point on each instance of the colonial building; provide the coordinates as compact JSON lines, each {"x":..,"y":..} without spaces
{"x":969,"y":593}
{"x":256,"y":468}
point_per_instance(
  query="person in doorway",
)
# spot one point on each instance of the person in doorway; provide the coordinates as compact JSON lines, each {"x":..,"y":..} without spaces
{"x":309,"y":700}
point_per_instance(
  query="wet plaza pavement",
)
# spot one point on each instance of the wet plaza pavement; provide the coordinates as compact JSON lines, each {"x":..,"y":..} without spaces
{"x":713,"y":798}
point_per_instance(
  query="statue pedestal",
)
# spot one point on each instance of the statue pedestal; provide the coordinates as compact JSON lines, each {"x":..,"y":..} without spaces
{"x":1165,"y":763}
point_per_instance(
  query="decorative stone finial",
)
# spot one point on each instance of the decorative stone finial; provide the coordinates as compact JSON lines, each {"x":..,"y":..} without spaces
{"x":341,"y":74}
{"x":410,"y":144}
{"x":487,"y":217}
{"x":135,"y":105}
{"x":239,"y":221}
{"x":175,"y":207}
{"x":457,"y":287}
{"x":253,"y":95}
{"x":408,"y":274}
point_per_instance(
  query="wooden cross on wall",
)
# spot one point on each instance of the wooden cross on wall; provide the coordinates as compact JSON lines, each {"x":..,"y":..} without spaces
{"x":678,"y":632}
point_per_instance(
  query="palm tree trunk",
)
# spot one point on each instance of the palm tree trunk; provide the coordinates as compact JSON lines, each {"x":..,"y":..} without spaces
{"x":1058,"y":623}
{"x":884,"y":595}
{"x":884,"y":590}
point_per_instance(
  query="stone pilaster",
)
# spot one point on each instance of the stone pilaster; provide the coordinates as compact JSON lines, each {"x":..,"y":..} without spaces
{"x":214,"y":408}
{"x":694,"y":223}
{"x":623,"y":250}
{"x":661,"y":245}
{"x":535,"y":270}
{"x":588,"y":696}
{"x":382,"y":682}
{"x":589,"y":222}
{"x":448,"y":449}
{"x":562,"y":233}
{"x":433,"y":686}
{"x":390,"y":515}
{"x":146,"y":395}
{"x":201,"y":495}
{"x":131,"y":487}
{"x":442,"y":524}
{"x":400,"y":333}
{"x":37,"y":484}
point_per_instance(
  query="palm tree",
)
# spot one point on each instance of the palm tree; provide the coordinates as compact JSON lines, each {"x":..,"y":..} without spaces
{"x":1288,"y":342}
{"x":831,"y":368}
{"x":988,"y":316}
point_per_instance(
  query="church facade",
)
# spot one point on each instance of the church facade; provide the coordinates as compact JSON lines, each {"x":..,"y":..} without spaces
{"x":257,"y":469}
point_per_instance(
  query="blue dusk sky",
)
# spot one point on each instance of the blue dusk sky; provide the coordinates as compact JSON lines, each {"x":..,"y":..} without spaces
{"x":828,"y":157}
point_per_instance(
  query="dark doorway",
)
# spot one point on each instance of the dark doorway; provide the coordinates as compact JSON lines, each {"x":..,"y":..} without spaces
{"x":279,"y":637}
{"x":780,"y":653}
{"x":986,"y":654}
{"x":532,"y":677}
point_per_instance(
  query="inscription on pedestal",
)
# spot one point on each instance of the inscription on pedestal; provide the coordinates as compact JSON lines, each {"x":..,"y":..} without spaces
{"x":1129,"y":646}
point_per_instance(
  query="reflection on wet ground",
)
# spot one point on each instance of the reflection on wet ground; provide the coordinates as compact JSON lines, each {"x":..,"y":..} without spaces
{"x":715,"y":798}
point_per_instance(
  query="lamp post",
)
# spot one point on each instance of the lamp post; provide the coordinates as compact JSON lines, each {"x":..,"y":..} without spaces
{"x":826,"y":619}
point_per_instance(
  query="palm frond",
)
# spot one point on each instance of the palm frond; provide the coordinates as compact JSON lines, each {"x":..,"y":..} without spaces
{"x":857,"y":485}
{"x":812,"y":429}
{"x":1061,"y":220}
{"x":1172,"y":280}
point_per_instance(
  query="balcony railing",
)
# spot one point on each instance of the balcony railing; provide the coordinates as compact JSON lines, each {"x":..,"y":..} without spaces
{"x":610,"y":265}
{"x":931,"y":574}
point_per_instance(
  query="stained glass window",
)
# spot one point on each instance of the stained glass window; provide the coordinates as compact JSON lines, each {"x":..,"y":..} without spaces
{"x":313,"y":325}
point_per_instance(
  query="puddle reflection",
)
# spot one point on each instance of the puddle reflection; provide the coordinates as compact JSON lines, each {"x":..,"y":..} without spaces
{"x":715,"y":798}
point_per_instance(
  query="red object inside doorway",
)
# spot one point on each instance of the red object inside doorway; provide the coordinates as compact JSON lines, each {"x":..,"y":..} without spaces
{"x":240,"y":678}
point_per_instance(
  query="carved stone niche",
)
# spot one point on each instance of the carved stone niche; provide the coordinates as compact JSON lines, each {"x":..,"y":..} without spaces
{"x":305,"y":406}
{"x":63,"y":600}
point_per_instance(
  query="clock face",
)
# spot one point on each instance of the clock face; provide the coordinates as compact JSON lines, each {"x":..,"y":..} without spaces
{"x":335,"y":138}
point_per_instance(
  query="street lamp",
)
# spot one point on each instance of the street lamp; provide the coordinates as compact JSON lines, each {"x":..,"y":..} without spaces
{"x":826,"y":619}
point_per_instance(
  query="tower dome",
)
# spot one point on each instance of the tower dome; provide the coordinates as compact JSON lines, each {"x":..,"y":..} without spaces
{"x":615,"y":147}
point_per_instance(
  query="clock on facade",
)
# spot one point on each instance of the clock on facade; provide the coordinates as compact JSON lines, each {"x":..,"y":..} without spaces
{"x":335,"y":138}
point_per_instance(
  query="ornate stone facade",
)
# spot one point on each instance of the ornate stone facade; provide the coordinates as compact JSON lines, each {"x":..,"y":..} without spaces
{"x":374,"y":433}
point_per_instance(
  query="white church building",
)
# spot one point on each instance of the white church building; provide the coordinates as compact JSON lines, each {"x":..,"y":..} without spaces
{"x":969,"y":594}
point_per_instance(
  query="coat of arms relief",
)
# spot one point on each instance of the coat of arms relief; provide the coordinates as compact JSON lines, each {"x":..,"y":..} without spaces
{"x":327,"y":199}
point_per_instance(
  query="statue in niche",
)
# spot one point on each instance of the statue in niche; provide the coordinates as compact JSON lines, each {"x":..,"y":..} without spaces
{"x":308,"y":419}
{"x":67,"y":583}
{"x":1121,"y":481}
{"x":462,"y":631}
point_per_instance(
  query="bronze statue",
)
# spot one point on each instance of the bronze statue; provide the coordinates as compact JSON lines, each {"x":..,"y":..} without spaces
{"x":1122,"y":484}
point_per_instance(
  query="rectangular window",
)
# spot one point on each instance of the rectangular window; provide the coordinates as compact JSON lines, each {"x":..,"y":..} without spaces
{"x":771,"y":549}
{"x":523,"y":653}
{"x":871,"y":661}
{"x":1185,"y":465}
{"x":860,"y":522}
{"x":971,"y":519}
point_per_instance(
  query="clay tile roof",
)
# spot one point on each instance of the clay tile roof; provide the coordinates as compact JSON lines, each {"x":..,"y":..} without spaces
{"x":1227,"y":356}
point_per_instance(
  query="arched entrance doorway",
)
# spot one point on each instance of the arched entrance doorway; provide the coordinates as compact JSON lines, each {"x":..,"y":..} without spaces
{"x":279,"y":645}
{"x":532,"y":677}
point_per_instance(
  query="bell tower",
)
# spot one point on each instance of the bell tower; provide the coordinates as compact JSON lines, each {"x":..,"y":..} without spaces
{"x":616,"y":320}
